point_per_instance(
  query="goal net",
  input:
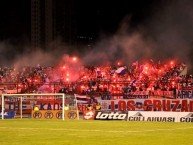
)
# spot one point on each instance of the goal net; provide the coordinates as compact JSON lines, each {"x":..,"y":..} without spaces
{"x":39,"y":106}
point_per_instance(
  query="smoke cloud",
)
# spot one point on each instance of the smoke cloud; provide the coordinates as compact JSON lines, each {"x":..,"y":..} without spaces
{"x":165,"y":34}
{"x":170,"y":28}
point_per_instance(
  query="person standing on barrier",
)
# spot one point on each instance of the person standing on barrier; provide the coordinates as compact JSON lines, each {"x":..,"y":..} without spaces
{"x":89,"y":107}
{"x":36,"y":108}
{"x":66,"y":108}
{"x":98,"y":106}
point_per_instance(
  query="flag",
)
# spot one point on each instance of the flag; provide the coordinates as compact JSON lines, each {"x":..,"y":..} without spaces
{"x":121,"y":70}
{"x":82,"y":99}
{"x":184,"y":71}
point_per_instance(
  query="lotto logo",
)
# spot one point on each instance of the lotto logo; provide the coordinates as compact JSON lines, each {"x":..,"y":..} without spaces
{"x":111,"y":115}
{"x":88,"y":115}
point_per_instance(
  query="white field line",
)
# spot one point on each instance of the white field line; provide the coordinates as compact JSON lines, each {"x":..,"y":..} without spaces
{"x":83,"y":130}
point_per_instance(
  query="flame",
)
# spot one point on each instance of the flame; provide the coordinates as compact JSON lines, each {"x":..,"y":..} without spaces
{"x":64,"y":67}
{"x":74,"y":59}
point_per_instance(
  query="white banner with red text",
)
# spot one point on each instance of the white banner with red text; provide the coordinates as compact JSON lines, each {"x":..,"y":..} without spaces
{"x":173,"y":105}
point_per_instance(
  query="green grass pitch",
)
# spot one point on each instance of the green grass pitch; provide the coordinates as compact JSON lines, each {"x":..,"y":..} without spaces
{"x":83,"y":132}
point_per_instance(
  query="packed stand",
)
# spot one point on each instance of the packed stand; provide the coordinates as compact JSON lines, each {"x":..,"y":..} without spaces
{"x":103,"y":81}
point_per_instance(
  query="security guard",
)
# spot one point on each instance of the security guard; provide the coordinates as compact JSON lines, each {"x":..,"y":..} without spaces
{"x":36,"y":108}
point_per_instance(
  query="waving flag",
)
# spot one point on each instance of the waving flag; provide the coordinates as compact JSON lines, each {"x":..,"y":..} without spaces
{"x":122,"y":70}
{"x":82,"y":99}
{"x":184,"y":71}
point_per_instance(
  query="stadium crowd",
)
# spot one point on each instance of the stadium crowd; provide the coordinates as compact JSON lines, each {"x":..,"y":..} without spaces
{"x":102,"y":80}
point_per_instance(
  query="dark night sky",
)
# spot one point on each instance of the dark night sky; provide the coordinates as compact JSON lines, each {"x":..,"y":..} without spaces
{"x":15,"y":19}
{"x":92,"y":16}
{"x":106,"y":16}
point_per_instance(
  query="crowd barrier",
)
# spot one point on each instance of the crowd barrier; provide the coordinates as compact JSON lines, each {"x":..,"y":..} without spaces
{"x":55,"y":114}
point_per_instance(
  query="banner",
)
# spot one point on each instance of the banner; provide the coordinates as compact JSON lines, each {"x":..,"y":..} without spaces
{"x":144,"y":95}
{"x":152,"y":116}
{"x":160,"y":116}
{"x":46,"y":114}
{"x":54,"y":114}
{"x":71,"y":115}
{"x":185,"y":117}
{"x":8,"y":114}
{"x":88,"y":115}
{"x":174,"y":105}
{"x":111,"y":115}
{"x":185,"y":94}
{"x":15,"y":91}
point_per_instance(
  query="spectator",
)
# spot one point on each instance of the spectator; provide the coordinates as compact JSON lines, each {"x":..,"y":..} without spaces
{"x":66,"y":108}
{"x":90,"y":107}
{"x":98,"y":106}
